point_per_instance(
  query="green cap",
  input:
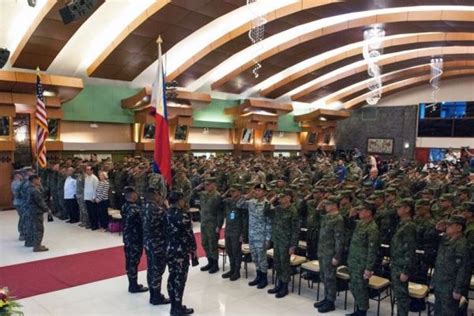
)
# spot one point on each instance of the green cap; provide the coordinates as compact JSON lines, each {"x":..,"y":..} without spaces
{"x":367,"y":184}
{"x":463,"y":189}
{"x":288,"y":192}
{"x":332,"y":199}
{"x":457,"y":219}
{"x":236,"y":186}
{"x":319,"y":188}
{"x":345,"y":193}
{"x":446,"y":197}
{"x":391,"y":190}
{"x":260,"y":186}
{"x":422,"y":202}
{"x":210,"y":179}
{"x":378,"y":193}
{"x":350,"y":187}
{"x":405,"y":202}
{"x":468,"y":206}
{"x":369,"y":204}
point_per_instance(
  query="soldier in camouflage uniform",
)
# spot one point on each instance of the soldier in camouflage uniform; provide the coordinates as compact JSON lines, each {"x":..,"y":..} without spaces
{"x":362,"y":257}
{"x":180,"y":245}
{"x":212,"y":219}
{"x":139,"y":181}
{"x":331,"y":246}
{"x":157,"y":182}
{"x":260,"y":233}
{"x":36,"y":208}
{"x":313,"y":221}
{"x":446,"y":208}
{"x":452,"y":267}
{"x":385,"y":217}
{"x":236,"y":227}
{"x":132,"y":238}
{"x":154,"y":240}
{"x":285,"y":235}
{"x":469,"y":231}
{"x":80,"y":183}
{"x":182,"y":184}
{"x":402,"y":255}
{"x":26,"y":221}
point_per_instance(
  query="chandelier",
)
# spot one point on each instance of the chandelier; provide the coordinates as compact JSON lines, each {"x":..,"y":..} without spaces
{"x":436,"y":66}
{"x":256,"y":34}
{"x":371,"y":51}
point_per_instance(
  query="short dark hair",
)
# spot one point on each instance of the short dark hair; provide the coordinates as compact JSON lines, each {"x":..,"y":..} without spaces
{"x":33,"y":177}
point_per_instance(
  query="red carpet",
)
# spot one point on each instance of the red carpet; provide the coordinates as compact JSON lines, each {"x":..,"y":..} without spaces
{"x":44,"y":276}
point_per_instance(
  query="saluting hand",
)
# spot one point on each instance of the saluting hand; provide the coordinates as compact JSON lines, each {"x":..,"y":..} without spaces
{"x":367,"y":274}
{"x":403,"y":277}
{"x":335,"y":262}
{"x":456,"y":296}
{"x":291,"y":251}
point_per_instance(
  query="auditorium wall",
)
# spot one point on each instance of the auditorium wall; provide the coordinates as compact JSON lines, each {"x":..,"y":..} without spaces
{"x":395,"y":122}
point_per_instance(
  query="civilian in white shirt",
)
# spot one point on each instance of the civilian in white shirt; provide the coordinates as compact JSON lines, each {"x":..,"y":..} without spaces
{"x":90,"y":191}
{"x":70,"y":203}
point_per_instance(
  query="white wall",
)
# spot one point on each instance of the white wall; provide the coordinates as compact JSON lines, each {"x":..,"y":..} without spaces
{"x":215,"y":136}
{"x":286,"y":138}
{"x":460,"y":89}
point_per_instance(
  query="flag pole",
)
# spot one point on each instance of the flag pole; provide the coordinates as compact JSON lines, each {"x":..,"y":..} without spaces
{"x":36,"y":125}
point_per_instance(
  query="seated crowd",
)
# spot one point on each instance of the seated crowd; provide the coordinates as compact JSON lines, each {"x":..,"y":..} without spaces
{"x":396,"y":219}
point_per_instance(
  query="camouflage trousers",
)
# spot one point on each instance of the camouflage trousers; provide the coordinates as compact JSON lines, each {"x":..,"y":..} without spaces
{"x":133,"y":253}
{"x":156,"y":262}
{"x":312,"y":245}
{"x":209,"y":240}
{"x":359,"y":286}
{"x":233,"y":248}
{"x":258,"y":250}
{"x":281,"y":260}
{"x":83,"y":214}
{"x":445,"y":305}
{"x":328,"y":277}
{"x":21,"y":219}
{"x":400,"y":291}
{"x":58,"y":204}
{"x":28,"y":228}
{"x":38,"y":229}
{"x":178,"y":274}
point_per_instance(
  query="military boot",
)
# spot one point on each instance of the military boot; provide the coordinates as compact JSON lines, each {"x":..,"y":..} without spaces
{"x":257,"y":279}
{"x":320,"y":303}
{"x":156,"y":298}
{"x":134,"y":287}
{"x":283,"y":290}
{"x":228,"y":274}
{"x":236,"y":275}
{"x":263,"y":281}
{"x":40,"y":248}
{"x":328,"y":307}
{"x":214,"y":267}
{"x":355,"y":313}
{"x":208,"y":266}
{"x":276,"y":289}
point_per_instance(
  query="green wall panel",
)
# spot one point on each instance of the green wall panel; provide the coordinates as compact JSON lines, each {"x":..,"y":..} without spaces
{"x":99,"y":103}
{"x":286,"y":123}
{"x":213,"y":115}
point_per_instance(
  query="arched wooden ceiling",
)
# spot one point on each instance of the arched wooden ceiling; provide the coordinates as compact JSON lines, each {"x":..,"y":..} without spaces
{"x":220,"y":62}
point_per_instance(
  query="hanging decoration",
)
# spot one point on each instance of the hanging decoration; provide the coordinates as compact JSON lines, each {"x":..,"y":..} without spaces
{"x":257,"y":34}
{"x":371,"y":51}
{"x":436,"y":66}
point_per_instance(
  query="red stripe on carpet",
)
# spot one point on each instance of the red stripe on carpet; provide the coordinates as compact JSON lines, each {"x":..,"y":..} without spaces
{"x":44,"y":276}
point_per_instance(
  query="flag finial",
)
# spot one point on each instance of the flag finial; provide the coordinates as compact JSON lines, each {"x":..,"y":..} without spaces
{"x":37,"y":69}
{"x":159,"y":40}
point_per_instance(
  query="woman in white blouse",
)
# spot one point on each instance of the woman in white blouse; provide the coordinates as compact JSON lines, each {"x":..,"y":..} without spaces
{"x":102,"y":200}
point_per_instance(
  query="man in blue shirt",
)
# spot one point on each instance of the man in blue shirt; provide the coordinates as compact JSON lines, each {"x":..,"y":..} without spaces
{"x":340,"y":171}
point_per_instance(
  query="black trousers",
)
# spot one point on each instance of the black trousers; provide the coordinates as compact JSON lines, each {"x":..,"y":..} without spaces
{"x":102,"y":208}
{"x":93,"y":214}
{"x":72,"y":209}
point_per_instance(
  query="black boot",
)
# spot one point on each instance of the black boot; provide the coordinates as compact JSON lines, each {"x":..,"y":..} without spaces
{"x":320,"y":303}
{"x":263,"y":281}
{"x":236,"y":275}
{"x":362,"y":313}
{"x":257,"y":279}
{"x":156,"y":298}
{"x":186,"y":310}
{"x":214,"y":267}
{"x":276,"y":289}
{"x":328,"y":307}
{"x":134,"y":287}
{"x":228,"y":274}
{"x":208,"y":266}
{"x":355,"y":313}
{"x":283,"y":290}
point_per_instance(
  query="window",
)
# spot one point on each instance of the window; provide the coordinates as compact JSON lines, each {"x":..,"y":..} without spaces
{"x":53,"y":129}
{"x":4,"y":126}
{"x":149,"y":131}
{"x":267,"y":137}
{"x":181,"y":133}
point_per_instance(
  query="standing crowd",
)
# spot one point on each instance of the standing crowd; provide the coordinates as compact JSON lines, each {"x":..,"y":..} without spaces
{"x":395,"y":219}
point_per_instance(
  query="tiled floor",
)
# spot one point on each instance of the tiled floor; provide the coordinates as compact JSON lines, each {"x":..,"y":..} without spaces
{"x":207,"y":294}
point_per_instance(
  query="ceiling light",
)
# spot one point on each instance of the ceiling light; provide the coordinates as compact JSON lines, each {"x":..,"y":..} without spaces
{"x":322,"y":118}
{"x":48,"y":93}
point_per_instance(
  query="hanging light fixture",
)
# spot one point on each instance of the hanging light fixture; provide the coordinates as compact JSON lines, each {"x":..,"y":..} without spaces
{"x":436,"y":67}
{"x":257,"y":34}
{"x":371,"y":51}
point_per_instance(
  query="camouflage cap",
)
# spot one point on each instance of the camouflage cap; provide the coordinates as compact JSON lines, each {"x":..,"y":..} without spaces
{"x":422,"y":202}
{"x":210,"y":179}
{"x":405,"y":202}
{"x":332,"y":199}
{"x":319,"y":188}
{"x":128,"y":189}
{"x":367,"y":184}
{"x":350,"y":187}
{"x":447,"y":197}
{"x":378,"y":193}
{"x":463,"y":189}
{"x":390,"y":190}
{"x":457,"y":219}
{"x":369,"y":204}
{"x":468,"y":206}
{"x":427,"y":191}
{"x":261,"y":186}
{"x":236,"y":186}
{"x":288,"y":192}
{"x":345,"y":193}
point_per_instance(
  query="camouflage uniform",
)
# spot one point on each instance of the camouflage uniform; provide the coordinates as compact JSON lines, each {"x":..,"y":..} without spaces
{"x":62,"y":211}
{"x":184,"y":186}
{"x":180,"y":243}
{"x":427,"y":241}
{"x":36,"y":207}
{"x":313,"y":224}
{"x":331,"y":245}
{"x":362,"y":256}
{"x":236,"y":230}
{"x":132,"y":238}
{"x":53,"y":188}
{"x":156,"y":181}
{"x":386,"y":219}
{"x":154,"y":240}
{"x":212,"y":217}
{"x":84,"y":215}
{"x":260,"y":231}
{"x":120,"y":182}
{"x":285,"y":235}
{"x":402,"y":254}
{"x":139,"y":181}
{"x":18,"y":203}
{"x":452,"y":270}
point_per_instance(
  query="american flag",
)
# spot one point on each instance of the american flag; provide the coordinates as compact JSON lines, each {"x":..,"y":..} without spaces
{"x":41,"y":124}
